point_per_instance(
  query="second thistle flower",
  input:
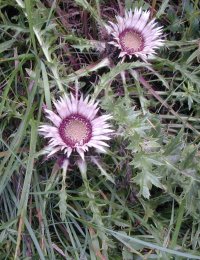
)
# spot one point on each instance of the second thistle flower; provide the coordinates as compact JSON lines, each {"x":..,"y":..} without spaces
{"x":135,"y":35}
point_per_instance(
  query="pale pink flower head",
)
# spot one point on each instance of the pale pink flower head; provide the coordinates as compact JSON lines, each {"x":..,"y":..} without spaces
{"x":76,"y":126}
{"x":135,"y":35}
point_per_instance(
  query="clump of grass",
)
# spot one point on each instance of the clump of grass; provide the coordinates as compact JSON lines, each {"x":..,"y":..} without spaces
{"x":141,"y":199}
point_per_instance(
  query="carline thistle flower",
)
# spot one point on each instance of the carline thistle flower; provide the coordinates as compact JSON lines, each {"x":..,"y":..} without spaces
{"x":76,"y":126}
{"x":135,"y":35}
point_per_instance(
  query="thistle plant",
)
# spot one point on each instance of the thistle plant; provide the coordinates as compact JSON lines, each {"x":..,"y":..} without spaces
{"x":99,"y":130}
{"x":76,"y":127}
{"x":135,"y":35}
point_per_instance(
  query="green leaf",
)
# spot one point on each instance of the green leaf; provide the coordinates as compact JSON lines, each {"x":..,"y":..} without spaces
{"x":102,"y":170}
{"x":6,"y":45}
{"x":145,"y":180}
{"x":174,"y":144}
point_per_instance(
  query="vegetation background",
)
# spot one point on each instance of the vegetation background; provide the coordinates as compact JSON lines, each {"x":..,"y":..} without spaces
{"x":142,"y":199}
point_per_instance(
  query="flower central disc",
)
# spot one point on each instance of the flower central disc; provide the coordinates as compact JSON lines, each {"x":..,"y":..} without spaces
{"x":131,"y":41}
{"x":75,"y":130}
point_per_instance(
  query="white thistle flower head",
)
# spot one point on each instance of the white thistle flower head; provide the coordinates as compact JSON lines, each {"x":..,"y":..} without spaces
{"x":76,"y":126}
{"x":135,"y":35}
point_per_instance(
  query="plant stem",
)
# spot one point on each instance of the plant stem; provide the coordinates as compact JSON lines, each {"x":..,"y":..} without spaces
{"x":178,"y":223}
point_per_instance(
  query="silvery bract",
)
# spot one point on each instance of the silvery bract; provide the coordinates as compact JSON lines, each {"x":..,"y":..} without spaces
{"x":76,"y":126}
{"x":135,"y":35}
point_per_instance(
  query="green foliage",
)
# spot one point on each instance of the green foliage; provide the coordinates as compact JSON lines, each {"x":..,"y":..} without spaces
{"x":141,"y":199}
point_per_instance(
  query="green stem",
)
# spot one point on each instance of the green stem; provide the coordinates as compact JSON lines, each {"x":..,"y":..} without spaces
{"x":63,"y":195}
{"x":178,"y":223}
{"x":95,"y":211}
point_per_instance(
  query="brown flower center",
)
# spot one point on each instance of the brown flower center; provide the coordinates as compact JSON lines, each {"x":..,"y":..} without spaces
{"x":75,"y":129}
{"x":131,"y":41}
